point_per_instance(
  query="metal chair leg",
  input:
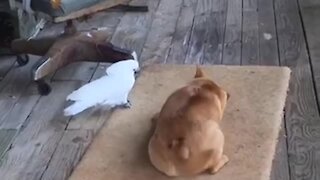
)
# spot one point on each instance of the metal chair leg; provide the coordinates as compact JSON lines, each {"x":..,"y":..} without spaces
{"x":22,"y":59}
{"x":44,"y":88}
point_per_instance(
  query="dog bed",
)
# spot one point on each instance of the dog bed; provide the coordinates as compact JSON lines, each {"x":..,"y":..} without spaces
{"x":251,"y":124}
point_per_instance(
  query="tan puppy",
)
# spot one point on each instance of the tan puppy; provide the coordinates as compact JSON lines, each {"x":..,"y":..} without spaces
{"x":187,"y":139}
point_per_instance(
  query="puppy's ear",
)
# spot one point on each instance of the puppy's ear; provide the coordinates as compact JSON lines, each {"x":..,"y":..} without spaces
{"x":199,"y":72}
{"x":184,"y":152}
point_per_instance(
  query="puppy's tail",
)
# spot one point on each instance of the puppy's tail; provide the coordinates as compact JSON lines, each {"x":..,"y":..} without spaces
{"x":184,"y":152}
{"x":199,"y":72}
{"x":181,"y":149}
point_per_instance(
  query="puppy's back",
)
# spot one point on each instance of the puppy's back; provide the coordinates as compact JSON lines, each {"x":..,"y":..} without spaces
{"x":188,"y":124}
{"x":197,"y":94}
{"x":188,"y":110}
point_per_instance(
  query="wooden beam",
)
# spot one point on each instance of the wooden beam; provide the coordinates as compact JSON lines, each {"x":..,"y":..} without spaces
{"x":91,"y":10}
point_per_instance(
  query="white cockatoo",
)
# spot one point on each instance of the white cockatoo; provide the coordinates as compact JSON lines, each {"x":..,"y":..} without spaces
{"x":110,"y":90}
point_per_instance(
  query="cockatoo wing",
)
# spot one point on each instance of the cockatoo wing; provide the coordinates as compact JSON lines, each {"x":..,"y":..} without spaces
{"x":76,"y":108}
{"x":89,"y":89}
{"x":118,"y":94}
{"x":108,"y":90}
{"x":89,"y":95}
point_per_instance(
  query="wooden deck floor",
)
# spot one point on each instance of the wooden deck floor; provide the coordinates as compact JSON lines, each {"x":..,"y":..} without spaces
{"x":38,"y":142}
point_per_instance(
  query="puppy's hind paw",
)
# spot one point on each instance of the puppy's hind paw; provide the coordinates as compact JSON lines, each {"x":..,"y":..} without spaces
{"x":223,"y":161}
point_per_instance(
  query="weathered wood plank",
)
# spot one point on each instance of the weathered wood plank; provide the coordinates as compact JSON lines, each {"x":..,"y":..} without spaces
{"x":181,"y":36}
{"x":250,"y":5}
{"x":205,"y":6}
{"x":68,"y":153}
{"x":19,"y":112}
{"x":310,"y":13}
{"x":16,"y":76}
{"x":6,"y":137}
{"x":287,"y":21}
{"x":215,"y":33}
{"x":232,"y":40}
{"x":6,"y":63}
{"x":131,"y":33}
{"x":199,"y":31}
{"x":157,"y":45}
{"x":250,"y":38}
{"x":197,"y":40}
{"x":280,"y":167}
{"x":309,"y":4}
{"x":92,"y":119}
{"x":34,"y":146}
{"x":11,"y":88}
{"x":302,"y":115}
{"x":213,"y":47}
{"x":250,"y":29}
{"x":268,"y":53}
{"x":302,"y":126}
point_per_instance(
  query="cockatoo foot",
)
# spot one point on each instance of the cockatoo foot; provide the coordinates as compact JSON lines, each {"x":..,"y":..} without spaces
{"x":127,"y":105}
{"x":136,"y":74}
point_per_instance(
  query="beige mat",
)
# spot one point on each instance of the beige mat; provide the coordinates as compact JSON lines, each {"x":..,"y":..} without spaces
{"x":251,"y":124}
